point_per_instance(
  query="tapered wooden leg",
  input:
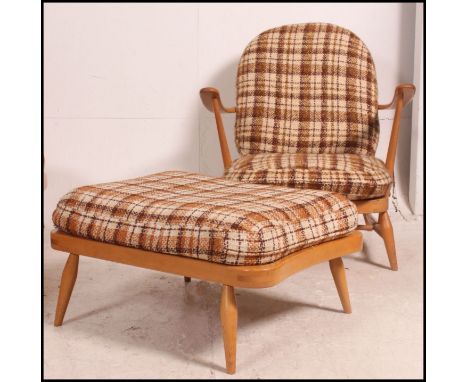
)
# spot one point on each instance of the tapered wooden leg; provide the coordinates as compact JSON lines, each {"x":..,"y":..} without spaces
{"x":187,"y":279}
{"x":228,"y":312}
{"x":386,"y":231}
{"x":339,"y":275}
{"x":66,"y":287}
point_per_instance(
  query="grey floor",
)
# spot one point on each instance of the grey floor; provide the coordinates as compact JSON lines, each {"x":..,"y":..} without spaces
{"x":125,"y":322}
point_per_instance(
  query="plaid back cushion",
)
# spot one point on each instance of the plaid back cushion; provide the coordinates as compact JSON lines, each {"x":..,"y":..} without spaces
{"x":307,"y":88}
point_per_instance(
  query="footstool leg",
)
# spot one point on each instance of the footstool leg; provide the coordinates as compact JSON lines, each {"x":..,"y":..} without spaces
{"x":187,"y":279}
{"x":339,"y":275}
{"x":228,"y":312}
{"x":66,"y":287}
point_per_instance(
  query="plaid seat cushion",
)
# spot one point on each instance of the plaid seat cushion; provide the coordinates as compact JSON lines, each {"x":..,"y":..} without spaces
{"x":306,"y":88}
{"x":356,"y":176}
{"x":206,"y":218}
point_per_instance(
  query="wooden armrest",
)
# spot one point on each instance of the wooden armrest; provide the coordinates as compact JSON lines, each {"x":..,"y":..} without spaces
{"x":212,"y":101}
{"x":403,"y":95}
{"x":406,"y":91}
{"x":208,"y":94}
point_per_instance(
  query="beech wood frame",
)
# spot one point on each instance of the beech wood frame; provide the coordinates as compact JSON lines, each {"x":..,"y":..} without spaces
{"x":404,"y":93}
{"x":229,"y":276}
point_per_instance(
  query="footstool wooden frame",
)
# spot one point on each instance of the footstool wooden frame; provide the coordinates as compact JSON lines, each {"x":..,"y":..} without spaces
{"x":229,"y":276}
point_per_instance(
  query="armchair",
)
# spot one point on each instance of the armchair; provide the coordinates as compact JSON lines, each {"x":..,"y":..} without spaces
{"x":307,"y":117}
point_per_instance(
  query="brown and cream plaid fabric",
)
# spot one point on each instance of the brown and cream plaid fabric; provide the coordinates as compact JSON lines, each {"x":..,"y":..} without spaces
{"x":306,"y":88}
{"x":206,"y":218}
{"x":356,"y":176}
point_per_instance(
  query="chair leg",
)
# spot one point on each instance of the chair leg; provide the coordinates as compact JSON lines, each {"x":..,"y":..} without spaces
{"x":386,"y":231}
{"x":187,"y":279}
{"x":66,"y":287}
{"x":228,"y":310}
{"x":339,"y":276}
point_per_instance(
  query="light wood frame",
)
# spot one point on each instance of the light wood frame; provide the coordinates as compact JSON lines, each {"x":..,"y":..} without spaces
{"x":229,"y":276}
{"x":383,"y":226}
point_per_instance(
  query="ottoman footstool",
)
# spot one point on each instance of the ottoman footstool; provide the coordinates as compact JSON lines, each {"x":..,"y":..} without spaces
{"x":231,"y":233}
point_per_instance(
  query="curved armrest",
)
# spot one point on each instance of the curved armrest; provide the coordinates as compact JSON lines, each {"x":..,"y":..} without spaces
{"x":212,"y":101}
{"x":404,"y":91}
{"x":403,"y":95}
{"x":208,"y":94}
